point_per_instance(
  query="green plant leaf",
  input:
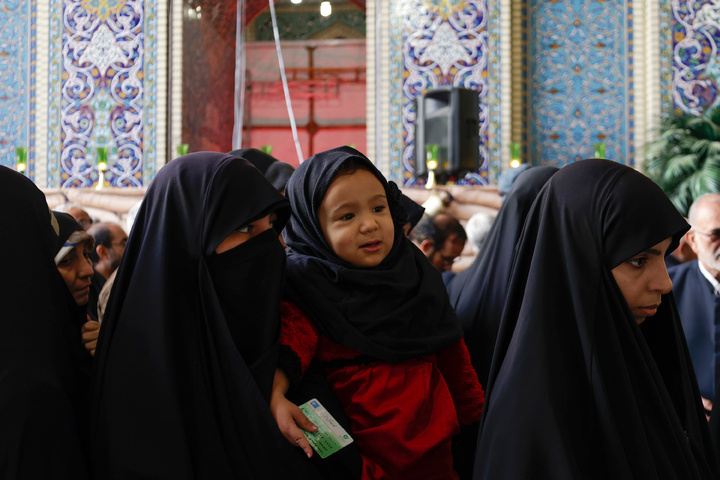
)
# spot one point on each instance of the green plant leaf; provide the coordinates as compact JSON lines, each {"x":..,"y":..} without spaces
{"x":684,"y":160}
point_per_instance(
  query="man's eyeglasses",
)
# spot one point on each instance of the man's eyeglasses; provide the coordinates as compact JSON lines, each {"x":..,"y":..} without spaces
{"x":448,"y":261}
{"x":712,"y":234}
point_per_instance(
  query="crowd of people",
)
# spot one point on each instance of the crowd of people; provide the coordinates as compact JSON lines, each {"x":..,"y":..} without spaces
{"x":245,"y":289}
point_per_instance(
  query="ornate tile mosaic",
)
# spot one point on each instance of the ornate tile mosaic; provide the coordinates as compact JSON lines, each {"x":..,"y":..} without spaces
{"x":666,"y":59}
{"x":580,"y":80}
{"x":491,"y":167}
{"x":17,"y":75}
{"x":696,"y":36}
{"x":436,"y":43}
{"x":102,"y":88}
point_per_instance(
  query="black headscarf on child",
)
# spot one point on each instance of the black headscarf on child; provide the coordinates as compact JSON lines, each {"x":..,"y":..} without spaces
{"x":413,"y":210}
{"x":577,"y":389}
{"x":478,"y":292}
{"x":395,"y":311}
{"x":181,"y":390}
{"x":43,"y":404}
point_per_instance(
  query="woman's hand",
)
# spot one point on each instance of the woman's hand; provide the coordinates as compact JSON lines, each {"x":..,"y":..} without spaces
{"x":707,"y":405}
{"x":90,"y":331}
{"x":289,"y":416}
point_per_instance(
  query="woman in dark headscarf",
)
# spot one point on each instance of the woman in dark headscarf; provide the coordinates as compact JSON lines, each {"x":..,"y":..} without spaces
{"x":42,"y":393}
{"x":72,"y":257}
{"x":591,"y":376}
{"x":188,"y":348}
{"x":379,"y":319}
{"x":275,"y":171}
{"x":478,"y":293}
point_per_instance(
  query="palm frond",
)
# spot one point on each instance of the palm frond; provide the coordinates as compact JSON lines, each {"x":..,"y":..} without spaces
{"x":678,"y":168}
{"x":684,"y":160}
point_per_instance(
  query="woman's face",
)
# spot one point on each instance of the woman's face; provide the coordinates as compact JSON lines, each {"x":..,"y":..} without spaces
{"x":246,"y":232}
{"x":76,"y":269}
{"x":643,"y":279}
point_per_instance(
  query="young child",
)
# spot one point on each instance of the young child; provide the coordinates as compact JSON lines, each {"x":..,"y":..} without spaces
{"x":375,"y":313}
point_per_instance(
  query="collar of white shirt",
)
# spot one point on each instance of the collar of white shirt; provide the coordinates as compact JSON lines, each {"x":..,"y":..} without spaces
{"x":713,"y":281}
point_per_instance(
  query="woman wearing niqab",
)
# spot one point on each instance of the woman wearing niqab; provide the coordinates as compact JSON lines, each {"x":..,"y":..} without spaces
{"x":188,"y":348}
{"x":577,"y":388}
{"x":478,"y":292}
{"x":42,"y":392}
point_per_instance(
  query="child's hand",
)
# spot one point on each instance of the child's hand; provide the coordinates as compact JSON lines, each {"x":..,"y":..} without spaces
{"x":288,"y":416}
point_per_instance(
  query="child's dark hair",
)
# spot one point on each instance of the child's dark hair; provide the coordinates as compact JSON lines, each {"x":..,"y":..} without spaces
{"x":352,"y":165}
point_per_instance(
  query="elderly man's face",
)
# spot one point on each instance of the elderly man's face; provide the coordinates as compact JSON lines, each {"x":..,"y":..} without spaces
{"x":704,"y":238}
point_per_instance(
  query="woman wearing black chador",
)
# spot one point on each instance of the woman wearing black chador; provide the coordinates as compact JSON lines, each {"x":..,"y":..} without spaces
{"x":478,"y":293}
{"x":188,"y":349}
{"x":43,"y":381}
{"x":591,"y":377}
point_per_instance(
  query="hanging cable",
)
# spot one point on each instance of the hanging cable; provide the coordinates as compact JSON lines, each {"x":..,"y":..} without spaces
{"x":239,"y":77}
{"x":281,"y":64}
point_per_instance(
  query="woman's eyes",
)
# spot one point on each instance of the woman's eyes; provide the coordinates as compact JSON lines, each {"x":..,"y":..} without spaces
{"x":65,"y":262}
{"x":245,"y":229}
{"x":638,"y":262}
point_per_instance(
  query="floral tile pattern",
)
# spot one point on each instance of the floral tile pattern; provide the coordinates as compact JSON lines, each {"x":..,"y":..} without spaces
{"x":102,"y":92}
{"x":437,"y":43}
{"x":580,"y":80}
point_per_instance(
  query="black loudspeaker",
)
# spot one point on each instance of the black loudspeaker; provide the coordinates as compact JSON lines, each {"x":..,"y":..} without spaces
{"x":448,"y":118}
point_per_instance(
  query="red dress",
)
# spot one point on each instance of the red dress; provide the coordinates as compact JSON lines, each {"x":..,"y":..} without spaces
{"x":403,"y":415}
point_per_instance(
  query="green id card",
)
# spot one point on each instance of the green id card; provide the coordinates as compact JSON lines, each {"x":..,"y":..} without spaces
{"x":330,"y":436}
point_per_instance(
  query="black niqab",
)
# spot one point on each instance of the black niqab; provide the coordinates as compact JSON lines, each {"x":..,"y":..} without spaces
{"x":577,"y":389}
{"x":175,"y":396}
{"x":42,"y":394}
{"x":478,"y":292}
{"x":394,"y":311}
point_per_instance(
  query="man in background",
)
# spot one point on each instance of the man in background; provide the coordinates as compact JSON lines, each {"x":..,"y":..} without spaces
{"x":110,"y":240}
{"x":696,"y":285}
{"x":441,"y":238}
{"x":81,"y":216}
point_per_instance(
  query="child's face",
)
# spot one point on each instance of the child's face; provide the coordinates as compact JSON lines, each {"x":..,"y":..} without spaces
{"x":356,"y":220}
